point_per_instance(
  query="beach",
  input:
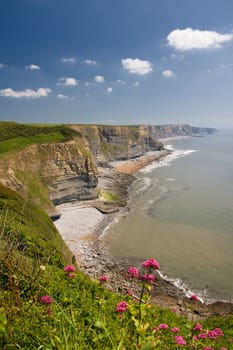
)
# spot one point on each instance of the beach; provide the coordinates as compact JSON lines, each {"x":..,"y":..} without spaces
{"x":82,"y":225}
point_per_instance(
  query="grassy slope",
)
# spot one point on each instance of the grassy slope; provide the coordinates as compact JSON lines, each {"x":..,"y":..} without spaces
{"x":14,"y":137}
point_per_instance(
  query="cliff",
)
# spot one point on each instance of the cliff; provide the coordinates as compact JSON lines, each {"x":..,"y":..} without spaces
{"x":51,"y":173}
{"x":110,"y":143}
{"x":176,"y":130}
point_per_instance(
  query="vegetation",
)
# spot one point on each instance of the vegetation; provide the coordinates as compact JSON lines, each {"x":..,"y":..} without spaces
{"x":14,"y":137}
{"x":109,"y":197}
{"x":47,"y":303}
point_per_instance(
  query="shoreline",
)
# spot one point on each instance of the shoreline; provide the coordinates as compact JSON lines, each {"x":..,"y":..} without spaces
{"x":82,"y":224}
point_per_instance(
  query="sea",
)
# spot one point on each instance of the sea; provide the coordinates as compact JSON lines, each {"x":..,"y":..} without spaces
{"x":181,"y":214}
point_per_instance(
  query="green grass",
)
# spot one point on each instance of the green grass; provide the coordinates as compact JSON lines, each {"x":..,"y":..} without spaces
{"x":107,"y":196}
{"x":14,"y":137}
{"x":20,"y":142}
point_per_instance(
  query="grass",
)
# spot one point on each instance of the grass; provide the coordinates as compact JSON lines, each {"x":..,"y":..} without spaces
{"x":14,"y":137}
{"x":109,"y":197}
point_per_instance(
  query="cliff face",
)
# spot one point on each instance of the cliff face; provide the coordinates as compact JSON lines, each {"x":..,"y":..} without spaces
{"x":174,"y":130}
{"x":109,"y":143}
{"x":60,"y":172}
{"x":54,"y":173}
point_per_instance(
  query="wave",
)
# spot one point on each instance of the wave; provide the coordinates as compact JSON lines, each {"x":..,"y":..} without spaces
{"x":181,"y":285}
{"x":176,"y":153}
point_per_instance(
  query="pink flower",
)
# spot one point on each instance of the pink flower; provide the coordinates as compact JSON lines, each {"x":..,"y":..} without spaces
{"x":219,"y":332}
{"x":151,"y":263}
{"x":148,"y":278}
{"x":46,"y":299}
{"x":198,"y":327}
{"x":195,"y":338}
{"x":175,"y":329}
{"x":212,"y":334}
{"x":69,"y":268}
{"x":122,"y":306}
{"x":70,"y":275}
{"x":132,"y":272}
{"x":207,"y":348}
{"x":130,"y":292}
{"x":163,"y":326}
{"x":194,"y":297}
{"x":173,"y":309}
{"x":223,"y":349}
{"x":103,"y":278}
{"x":202,"y":336}
{"x":180,"y":340}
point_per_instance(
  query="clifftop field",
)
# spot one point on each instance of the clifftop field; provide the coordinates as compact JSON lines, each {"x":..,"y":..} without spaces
{"x":46,"y":302}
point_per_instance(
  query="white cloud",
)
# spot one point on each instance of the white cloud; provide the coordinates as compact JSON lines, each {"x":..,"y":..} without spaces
{"x":137,"y":66}
{"x":2,"y":65}
{"x":136,"y":83}
{"x":189,"y":39}
{"x":70,"y":60}
{"x":99,"y":78}
{"x":67,"y":82}
{"x":109,"y":89}
{"x":27,"y":93}
{"x":168,"y":73}
{"x":62,"y":97}
{"x":93,"y":62}
{"x":32,"y":67}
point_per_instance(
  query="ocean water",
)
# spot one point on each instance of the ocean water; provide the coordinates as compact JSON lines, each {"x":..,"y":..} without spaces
{"x":182,"y":215}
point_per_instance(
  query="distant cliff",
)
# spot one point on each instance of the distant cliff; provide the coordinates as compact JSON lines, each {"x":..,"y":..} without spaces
{"x":56,"y":172}
{"x":109,"y":143}
{"x":175,"y":130}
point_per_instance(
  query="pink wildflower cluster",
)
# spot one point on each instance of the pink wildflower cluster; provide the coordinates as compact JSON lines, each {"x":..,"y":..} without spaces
{"x":147,"y":278}
{"x":180,"y":340}
{"x":46,"y":299}
{"x":151,"y":264}
{"x":122,"y":306}
{"x":69,"y":268}
{"x":70,"y":271}
{"x":132,"y":272}
{"x":175,"y":329}
{"x":163,"y":326}
{"x":194,"y":297}
{"x":103,"y":279}
{"x":197,"y":327}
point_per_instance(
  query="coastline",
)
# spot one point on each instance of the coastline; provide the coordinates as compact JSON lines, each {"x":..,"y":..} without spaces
{"x":83,"y":223}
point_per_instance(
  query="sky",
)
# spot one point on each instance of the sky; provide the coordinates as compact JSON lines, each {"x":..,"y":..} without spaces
{"x":117,"y":61}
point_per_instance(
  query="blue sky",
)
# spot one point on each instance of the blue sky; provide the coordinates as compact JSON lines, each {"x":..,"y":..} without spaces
{"x":117,"y":61}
